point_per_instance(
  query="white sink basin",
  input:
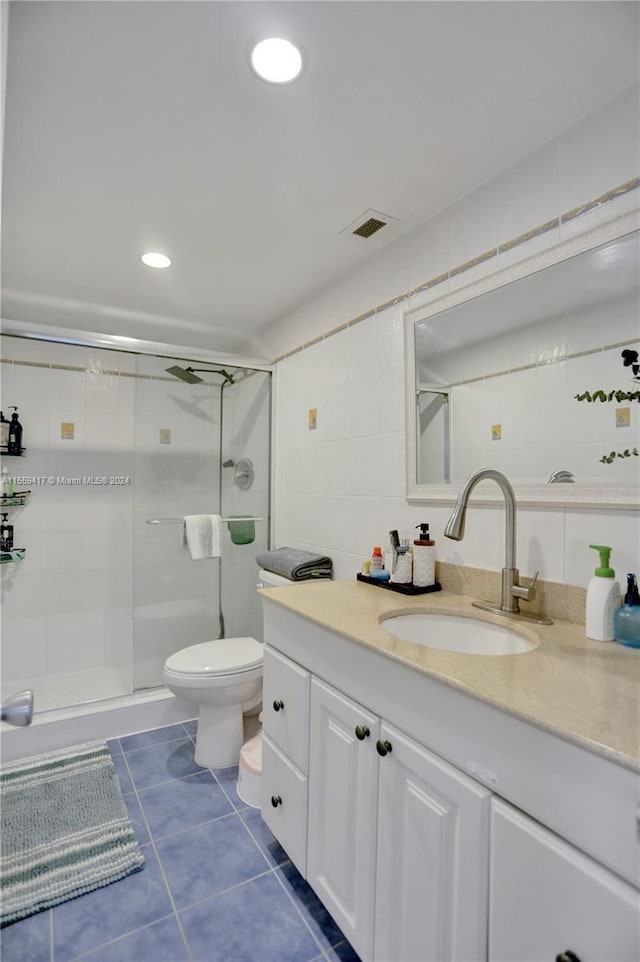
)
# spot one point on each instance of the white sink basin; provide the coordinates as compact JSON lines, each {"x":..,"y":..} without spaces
{"x":453,"y":633}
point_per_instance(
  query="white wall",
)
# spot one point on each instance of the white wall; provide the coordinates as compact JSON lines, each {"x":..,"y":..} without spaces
{"x":341,"y":487}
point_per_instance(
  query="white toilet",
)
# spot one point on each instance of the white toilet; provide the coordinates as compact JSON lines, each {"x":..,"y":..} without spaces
{"x":224,"y":679}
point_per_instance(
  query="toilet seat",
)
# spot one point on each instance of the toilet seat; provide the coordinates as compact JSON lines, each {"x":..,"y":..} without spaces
{"x":209,"y":659}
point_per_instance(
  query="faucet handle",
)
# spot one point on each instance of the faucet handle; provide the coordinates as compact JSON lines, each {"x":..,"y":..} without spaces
{"x":527,"y":593}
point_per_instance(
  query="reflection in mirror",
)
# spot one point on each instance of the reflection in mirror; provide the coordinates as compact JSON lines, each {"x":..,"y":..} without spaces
{"x":539,"y":378}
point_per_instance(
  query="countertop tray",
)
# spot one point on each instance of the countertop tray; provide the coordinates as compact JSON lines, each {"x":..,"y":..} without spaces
{"x":403,"y":589}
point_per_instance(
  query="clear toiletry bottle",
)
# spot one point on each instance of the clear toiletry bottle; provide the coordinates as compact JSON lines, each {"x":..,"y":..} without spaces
{"x":7,"y":484}
{"x":603,"y":598}
{"x":377,"y":561}
{"x":424,"y":559}
{"x":6,"y":534}
{"x":404,"y":569}
{"x":626,"y":621}
{"x":4,"y":434}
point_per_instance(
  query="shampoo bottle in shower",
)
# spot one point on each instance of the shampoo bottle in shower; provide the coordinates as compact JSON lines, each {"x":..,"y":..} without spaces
{"x":14,"y":445}
{"x":6,"y":534}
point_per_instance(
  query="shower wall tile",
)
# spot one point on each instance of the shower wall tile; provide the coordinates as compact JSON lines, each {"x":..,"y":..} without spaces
{"x":67,"y":388}
{"x":24,"y":648}
{"x":22,"y":595}
{"x":75,"y":641}
{"x":118,"y":636}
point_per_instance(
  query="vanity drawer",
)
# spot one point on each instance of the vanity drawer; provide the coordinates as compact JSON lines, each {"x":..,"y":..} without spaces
{"x":284,"y":803}
{"x":285,"y":700}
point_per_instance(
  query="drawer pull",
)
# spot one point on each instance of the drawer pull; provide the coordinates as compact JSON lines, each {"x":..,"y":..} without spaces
{"x":276,"y":800}
{"x":278,"y":704}
{"x":383,"y":748}
{"x":567,"y":956}
{"x":362,"y":732}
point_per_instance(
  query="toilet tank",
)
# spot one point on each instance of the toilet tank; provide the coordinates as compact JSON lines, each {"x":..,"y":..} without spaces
{"x":269,"y":579}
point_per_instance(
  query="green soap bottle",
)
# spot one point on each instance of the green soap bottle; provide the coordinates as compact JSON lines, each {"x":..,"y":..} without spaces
{"x":603,"y":598}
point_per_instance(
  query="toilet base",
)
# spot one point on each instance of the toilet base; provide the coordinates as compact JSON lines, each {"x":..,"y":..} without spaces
{"x":219,"y":737}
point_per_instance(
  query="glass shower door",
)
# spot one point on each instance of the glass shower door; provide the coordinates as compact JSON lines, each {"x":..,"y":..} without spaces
{"x":184,"y":433}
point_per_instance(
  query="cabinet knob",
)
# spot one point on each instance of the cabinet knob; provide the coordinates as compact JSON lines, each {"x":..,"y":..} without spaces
{"x":276,"y":800}
{"x":362,"y":732}
{"x":278,"y":704}
{"x":383,"y":748}
{"x":567,"y":956}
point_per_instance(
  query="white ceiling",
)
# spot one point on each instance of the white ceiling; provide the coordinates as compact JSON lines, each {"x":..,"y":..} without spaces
{"x":134,"y":126}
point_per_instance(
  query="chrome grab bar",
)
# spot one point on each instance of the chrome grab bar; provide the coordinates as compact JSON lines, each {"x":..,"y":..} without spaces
{"x":181,"y":520}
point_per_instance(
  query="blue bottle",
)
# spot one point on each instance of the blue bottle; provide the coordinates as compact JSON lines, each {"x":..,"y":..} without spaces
{"x":627,"y":618}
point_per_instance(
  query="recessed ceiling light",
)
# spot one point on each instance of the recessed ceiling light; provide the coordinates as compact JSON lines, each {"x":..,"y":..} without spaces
{"x":277,"y":60}
{"x":153,"y":259}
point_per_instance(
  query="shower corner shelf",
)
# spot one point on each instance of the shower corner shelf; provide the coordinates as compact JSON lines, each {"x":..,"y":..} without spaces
{"x":13,"y":556}
{"x":16,"y":500}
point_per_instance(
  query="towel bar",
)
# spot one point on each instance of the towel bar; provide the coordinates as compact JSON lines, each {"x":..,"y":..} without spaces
{"x":181,"y":520}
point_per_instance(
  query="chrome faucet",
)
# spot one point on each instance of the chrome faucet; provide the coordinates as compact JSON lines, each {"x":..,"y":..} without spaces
{"x":512,"y":591}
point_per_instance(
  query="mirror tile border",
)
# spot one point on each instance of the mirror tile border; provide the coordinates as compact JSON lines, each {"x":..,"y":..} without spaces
{"x":500,"y":248}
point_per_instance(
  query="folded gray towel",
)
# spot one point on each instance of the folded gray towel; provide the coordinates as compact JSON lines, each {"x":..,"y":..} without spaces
{"x":296,"y":565}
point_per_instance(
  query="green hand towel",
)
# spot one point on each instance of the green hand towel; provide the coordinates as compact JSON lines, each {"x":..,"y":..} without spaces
{"x":242,"y":531}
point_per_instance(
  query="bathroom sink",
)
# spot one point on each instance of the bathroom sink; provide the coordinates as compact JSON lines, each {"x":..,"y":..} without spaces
{"x":453,"y":633}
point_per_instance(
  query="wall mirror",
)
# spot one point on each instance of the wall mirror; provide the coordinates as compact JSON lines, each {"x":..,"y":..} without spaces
{"x":534,"y":371}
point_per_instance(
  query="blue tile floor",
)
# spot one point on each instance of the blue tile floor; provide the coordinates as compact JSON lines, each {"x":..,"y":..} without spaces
{"x":216,"y":887}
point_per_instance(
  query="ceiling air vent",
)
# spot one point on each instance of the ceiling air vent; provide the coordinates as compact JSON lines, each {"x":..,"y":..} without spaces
{"x":369,"y":224}
{"x":369,"y":227}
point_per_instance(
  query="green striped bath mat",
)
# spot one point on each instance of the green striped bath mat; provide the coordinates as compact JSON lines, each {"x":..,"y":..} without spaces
{"x":64,"y":829}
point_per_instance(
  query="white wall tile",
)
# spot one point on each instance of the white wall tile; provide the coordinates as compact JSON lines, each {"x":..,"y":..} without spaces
{"x":75,"y":641}
{"x":24,"y":648}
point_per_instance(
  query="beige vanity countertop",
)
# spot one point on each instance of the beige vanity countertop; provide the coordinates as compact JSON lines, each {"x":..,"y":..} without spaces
{"x":586,"y":691}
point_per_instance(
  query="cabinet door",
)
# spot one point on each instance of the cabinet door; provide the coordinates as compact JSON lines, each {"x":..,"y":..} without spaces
{"x":343,"y":773}
{"x":546,"y":898}
{"x":433,"y":855}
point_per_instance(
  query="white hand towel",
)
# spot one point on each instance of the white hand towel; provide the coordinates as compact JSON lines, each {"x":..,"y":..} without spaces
{"x":202,"y":535}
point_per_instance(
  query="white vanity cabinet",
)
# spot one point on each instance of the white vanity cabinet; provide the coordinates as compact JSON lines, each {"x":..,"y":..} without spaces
{"x":473,"y":835}
{"x":398,"y":839}
{"x":547,"y":898}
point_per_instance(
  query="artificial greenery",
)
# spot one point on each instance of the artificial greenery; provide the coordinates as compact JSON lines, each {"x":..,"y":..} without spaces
{"x":608,"y":458}
{"x":619,"y":395}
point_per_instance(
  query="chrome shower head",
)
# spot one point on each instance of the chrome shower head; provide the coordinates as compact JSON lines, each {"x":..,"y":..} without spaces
{"x":185,"y":374}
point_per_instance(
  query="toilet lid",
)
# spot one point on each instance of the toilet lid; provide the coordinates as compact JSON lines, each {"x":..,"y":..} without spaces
{"x":223,"y":657}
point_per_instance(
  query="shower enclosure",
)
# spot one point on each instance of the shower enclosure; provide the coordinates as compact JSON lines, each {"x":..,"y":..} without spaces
{"x":116,"y":441}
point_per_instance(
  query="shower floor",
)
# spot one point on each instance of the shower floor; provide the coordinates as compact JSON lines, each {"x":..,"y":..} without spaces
{"x":74,"y":687}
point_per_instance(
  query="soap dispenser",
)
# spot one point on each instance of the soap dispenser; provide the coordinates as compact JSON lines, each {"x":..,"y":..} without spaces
{"x":627,"y":618}
{"x":603,"y":598}
{"x":424,"y":559}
